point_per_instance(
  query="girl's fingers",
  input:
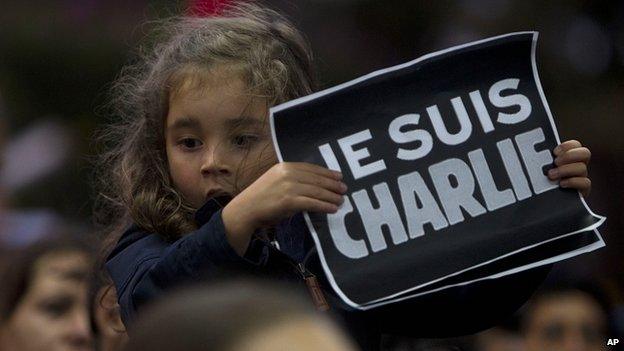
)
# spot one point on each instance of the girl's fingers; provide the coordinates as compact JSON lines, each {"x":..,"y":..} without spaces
{"x":576,"y":169}
{"x":314,"y":205}
{"x":582,"y":184}
{"x":316,"y":169}
{"x":565,"y":146}
{"x":579,"y":154}
{"x":335,"y":186}
{"x":318,"y":193}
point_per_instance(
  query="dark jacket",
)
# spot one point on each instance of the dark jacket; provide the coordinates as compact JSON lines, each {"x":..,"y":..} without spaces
{"x":144,"y":265}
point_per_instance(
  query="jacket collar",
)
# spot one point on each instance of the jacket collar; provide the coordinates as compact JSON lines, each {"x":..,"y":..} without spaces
{"x":212,"y":206}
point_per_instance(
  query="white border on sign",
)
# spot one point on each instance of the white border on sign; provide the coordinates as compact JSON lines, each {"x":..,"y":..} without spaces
{"x":589,"y":248}
{"x":389,"y":299}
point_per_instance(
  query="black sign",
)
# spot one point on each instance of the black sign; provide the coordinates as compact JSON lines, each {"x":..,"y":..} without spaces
{"x":445,"y":159}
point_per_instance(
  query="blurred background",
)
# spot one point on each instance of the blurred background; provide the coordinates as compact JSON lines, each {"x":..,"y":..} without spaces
{"x":57,"y":59}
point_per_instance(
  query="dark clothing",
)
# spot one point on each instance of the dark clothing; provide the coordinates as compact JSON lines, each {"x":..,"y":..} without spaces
{"x":144,"y":265}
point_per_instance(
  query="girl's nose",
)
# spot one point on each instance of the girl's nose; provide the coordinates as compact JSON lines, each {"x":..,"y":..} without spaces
{"x":214,"y":164}
{"x":79,"y":334}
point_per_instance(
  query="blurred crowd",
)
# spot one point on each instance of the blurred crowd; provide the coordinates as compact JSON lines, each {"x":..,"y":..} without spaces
{"x":54,"y":291}
{"x":56,"y":296}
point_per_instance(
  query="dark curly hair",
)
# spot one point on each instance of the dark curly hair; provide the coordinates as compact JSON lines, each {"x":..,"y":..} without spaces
{"x":132,"y":176}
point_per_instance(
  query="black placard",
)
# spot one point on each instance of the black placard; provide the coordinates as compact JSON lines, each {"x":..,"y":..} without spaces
{"x":445,"y":159}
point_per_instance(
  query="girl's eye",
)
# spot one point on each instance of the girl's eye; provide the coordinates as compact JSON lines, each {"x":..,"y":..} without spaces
{"x":56,"y":307}
{"x":244,"y":140}
{"x":190,"y":143}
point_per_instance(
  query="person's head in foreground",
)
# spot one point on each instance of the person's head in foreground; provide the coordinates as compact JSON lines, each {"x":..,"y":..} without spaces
{"x":233,"y":316}
{"x":566,"y":318}
{"x":44,"y":300}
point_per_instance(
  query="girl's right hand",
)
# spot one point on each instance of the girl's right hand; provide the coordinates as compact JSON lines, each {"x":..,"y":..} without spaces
{"x":285,"y":189}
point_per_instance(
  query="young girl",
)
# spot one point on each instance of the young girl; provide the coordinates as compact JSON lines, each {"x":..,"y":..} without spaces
{"x":193,"y":183}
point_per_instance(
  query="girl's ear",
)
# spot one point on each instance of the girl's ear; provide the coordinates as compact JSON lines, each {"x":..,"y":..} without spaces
{"x":107,"y":312}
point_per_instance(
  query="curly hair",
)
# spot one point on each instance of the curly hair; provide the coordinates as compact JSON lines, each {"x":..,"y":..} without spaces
{"x":132,"y":175}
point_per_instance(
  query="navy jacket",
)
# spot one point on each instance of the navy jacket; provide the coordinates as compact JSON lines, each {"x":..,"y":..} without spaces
{"x":144,"y":265}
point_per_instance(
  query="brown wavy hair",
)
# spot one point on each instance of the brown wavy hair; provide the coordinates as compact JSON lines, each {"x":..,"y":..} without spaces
{"x":133,"y":181}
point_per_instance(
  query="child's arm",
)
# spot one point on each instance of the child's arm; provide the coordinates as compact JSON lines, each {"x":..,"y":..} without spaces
{"x":571,"y":159}
{"x":143,"y":265}
{"x":285,"y":189}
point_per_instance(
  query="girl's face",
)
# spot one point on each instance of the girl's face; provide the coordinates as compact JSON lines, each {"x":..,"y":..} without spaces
{"x":53,"y":315}
{"x":217,"y":138}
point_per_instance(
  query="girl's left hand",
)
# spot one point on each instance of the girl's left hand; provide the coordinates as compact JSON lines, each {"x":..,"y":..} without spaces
{"x":571,"y":159}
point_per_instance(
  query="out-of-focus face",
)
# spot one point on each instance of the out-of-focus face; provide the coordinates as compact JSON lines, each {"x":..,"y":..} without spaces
{"x":53,"y":315}
{"x":217,"y":138}
{"x":300,"y":334}
{"x":499,"y":339}
{"x":571,"y":321}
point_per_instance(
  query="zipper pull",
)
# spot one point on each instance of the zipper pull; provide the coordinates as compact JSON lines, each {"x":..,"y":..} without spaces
{"x":276,"y":244}
{"x":314,"y":288}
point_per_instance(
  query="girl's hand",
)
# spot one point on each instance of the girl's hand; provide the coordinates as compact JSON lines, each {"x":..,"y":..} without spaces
{"x":571,"y":159}
{"x":285,"y":189}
